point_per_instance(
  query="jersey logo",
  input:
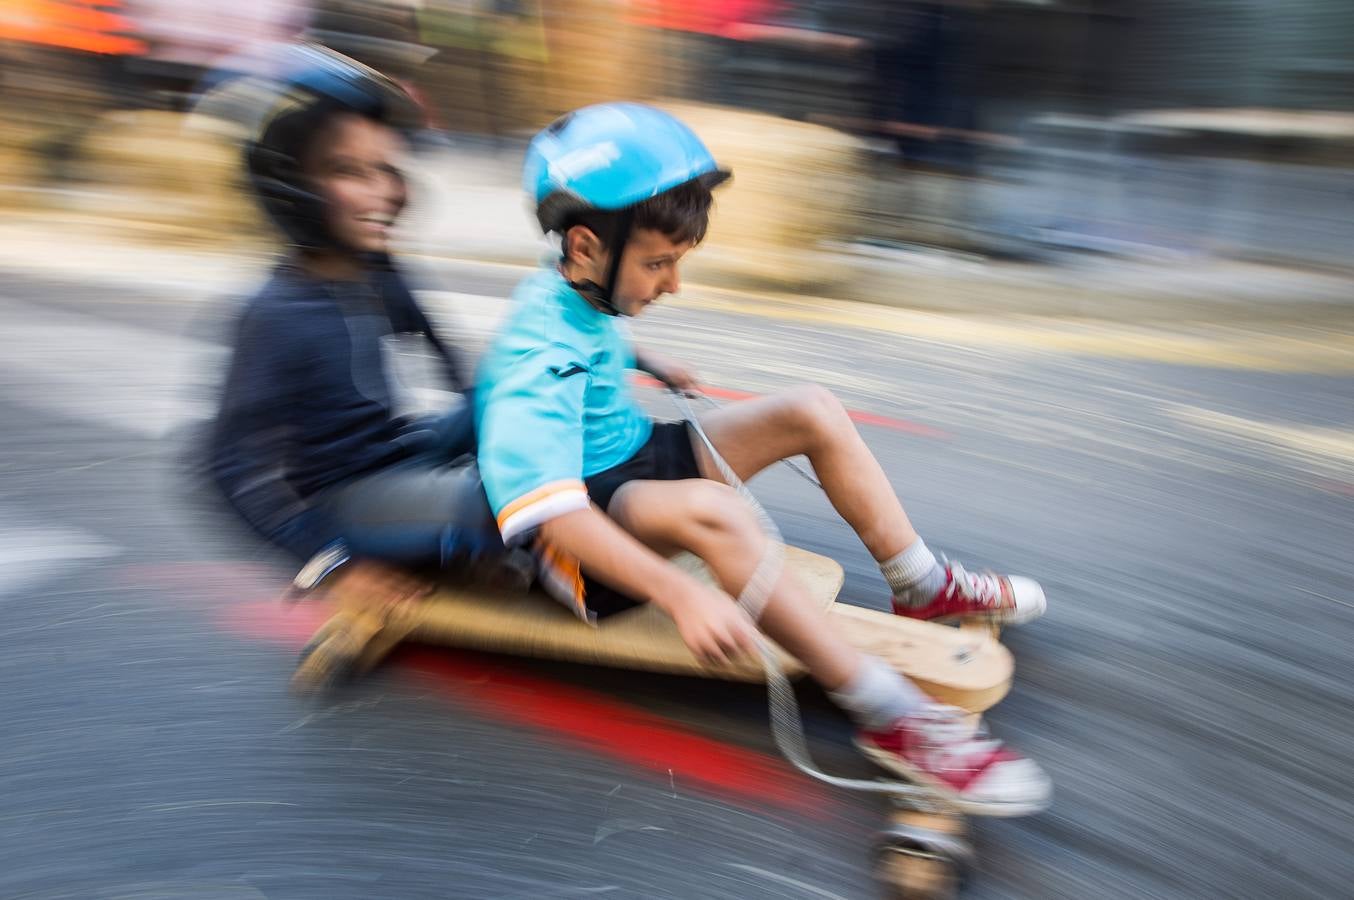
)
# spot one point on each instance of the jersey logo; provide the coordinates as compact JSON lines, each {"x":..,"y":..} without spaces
{"x":565,"y":373}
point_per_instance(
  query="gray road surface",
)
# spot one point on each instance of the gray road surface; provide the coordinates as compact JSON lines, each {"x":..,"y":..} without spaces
{"x":1189,"y":689}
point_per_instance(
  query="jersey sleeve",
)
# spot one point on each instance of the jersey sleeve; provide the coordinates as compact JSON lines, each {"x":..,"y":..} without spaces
{"x":531,"y":439}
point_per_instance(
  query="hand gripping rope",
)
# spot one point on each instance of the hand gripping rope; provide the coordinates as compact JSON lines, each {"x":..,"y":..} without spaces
{"x":787,"y":725}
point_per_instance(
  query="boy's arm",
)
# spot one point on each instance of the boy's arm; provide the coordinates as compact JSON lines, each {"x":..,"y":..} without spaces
{"x":711,"y":624}
{"x":531,"y":460}
{"x":672,"y":373}
{"x":248,"y":447}
{"x":531,"y":439}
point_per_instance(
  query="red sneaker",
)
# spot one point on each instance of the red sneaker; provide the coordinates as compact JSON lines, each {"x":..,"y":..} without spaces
{"x":941,"y":748}
{"x":1004,"y":599}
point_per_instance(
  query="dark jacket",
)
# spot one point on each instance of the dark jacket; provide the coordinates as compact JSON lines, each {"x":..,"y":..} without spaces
{"x":306,"y":403}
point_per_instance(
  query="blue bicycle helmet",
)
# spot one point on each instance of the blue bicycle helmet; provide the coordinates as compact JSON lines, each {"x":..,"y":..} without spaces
{"x":609,"y":158}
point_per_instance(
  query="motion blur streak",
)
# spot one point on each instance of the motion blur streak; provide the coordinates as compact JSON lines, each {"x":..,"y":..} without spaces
{"x":1080,"y":270}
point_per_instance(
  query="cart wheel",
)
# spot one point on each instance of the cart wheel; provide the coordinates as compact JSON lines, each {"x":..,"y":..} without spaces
{"x":923,"y":856}
{"x":329,"y":659}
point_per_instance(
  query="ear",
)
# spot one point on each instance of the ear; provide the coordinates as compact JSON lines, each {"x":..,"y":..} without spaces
{"x":582,"y":246}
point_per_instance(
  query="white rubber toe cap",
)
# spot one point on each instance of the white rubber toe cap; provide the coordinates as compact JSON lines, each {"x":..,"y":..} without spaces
{"x":1016,"y":787}
{"x":1030,"y":601}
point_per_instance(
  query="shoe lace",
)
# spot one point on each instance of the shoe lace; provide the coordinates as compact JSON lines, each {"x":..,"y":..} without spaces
{"x":982,"y":588}
{"x":950,"y":738}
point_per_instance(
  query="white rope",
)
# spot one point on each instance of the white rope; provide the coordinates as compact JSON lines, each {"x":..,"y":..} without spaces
{"x":755,"y":594}
{"x":787,"y":724}
{"x":788,"y":463}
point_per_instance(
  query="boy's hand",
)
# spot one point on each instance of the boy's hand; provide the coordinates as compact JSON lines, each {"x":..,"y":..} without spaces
{"x":712,"y":626}
{"x":669,"y":371}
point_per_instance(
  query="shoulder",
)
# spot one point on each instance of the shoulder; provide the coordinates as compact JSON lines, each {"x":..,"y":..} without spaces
{"x":287,"y":309}
{"x":282,"y":296}
{"x":552,"y":312}
{"x":535,"y":319}
{"x":538,"y":292}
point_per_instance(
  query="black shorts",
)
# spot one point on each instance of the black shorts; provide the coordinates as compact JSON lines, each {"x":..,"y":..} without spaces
{"x":666,"y":456}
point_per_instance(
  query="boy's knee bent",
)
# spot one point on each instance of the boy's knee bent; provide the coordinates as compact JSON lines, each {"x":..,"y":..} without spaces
{"x":714,"y":514}
{"x":817,"y":409}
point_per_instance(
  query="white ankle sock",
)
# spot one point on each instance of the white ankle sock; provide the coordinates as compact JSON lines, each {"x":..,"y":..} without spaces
{"x":876,"y":696}
{"x":914,"y":575}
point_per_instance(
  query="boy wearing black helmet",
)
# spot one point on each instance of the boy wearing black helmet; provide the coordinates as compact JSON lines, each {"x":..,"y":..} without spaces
{"x":571,"y":460}
{"x":321,"y":442}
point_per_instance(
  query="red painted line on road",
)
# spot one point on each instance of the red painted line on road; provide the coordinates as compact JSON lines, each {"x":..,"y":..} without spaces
{"x":574,"y":715}
{"x":494,"y":690}
{"x":860,"y":417}
{"x":621,"y":732}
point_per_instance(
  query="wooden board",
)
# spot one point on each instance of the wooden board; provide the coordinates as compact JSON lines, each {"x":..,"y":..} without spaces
{"x":966,"y":667}
{"x":645,"y":637}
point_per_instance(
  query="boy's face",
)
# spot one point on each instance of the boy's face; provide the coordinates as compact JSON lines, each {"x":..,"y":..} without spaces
{"x":353,"y":165}
{"x":648,"y":270}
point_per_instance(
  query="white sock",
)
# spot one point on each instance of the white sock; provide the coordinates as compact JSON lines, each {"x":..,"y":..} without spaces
{"x":914,"y":575}
{"x":877,"y":696}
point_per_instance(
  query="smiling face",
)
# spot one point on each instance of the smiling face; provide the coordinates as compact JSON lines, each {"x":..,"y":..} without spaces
{"x":648,"y":268}
{"x":353,"y":165}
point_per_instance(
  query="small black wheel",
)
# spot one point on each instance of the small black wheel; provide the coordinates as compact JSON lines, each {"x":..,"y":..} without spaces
{"x":911,"y":875}
{"x":923,"y":856}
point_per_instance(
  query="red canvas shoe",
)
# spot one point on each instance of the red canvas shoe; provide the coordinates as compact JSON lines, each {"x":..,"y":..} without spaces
{"x":940,"y":748}
{"x":1003,"y":599}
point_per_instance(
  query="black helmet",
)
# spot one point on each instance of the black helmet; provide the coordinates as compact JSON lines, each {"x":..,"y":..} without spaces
{"x":313,"y":83}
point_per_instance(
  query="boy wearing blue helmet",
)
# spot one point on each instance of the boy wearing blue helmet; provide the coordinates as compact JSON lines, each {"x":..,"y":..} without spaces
{"x":322,"y":442}
{"x":571,"y":461}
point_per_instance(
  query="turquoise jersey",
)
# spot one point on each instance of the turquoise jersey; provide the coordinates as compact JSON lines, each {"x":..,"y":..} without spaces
{"x":552,"y":405}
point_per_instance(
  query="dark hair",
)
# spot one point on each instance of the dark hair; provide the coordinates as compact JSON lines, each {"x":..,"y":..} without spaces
{"x":681,"y":214}
{"x":297,"y":133}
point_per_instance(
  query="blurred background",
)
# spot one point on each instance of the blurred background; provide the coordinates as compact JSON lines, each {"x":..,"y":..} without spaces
{"x":1063,"y":132}
{"x":1081,"y":269}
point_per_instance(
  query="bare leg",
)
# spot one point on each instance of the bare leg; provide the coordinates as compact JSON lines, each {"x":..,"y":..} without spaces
{"x":710,"y":520}
{"x":756,"y":433}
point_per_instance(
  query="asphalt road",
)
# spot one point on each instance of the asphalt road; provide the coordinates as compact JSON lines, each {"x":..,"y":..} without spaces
{"x":1188,"y":690}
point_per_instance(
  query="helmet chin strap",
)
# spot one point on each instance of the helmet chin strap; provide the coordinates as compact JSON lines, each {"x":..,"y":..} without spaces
{"x":601,"y":296}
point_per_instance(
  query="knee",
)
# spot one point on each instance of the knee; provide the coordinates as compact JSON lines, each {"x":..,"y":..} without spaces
{"x":715,"y":514}
{"x":817,"y":410}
